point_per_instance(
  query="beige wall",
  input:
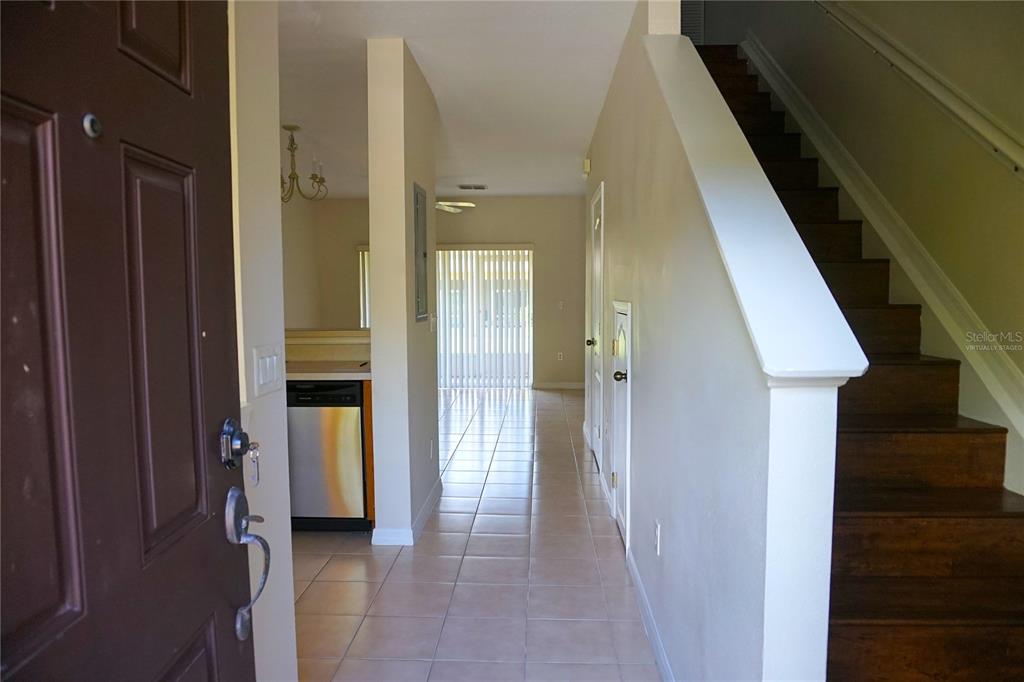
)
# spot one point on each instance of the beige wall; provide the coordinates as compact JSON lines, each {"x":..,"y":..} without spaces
{"x":403,"y":129}
{"x":321,"y":261}
{"x":965,"y":207}
{"x":421,"y":127}
{"x":556,"y":227}
{"x":322,"y":268}
{"x":301,"y":280}
{"x":699,"y":436}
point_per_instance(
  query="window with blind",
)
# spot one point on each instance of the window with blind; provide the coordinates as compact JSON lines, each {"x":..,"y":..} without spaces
{"x":485,"y":318}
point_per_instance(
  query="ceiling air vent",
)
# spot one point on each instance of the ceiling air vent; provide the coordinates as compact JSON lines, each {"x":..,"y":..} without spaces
{"x":473,"y":187}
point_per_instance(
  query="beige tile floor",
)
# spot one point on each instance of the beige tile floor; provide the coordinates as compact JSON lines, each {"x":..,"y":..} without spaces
{"x":519,"y":574}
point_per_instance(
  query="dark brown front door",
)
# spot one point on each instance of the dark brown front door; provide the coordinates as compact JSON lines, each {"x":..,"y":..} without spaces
{"x":119,"y":358}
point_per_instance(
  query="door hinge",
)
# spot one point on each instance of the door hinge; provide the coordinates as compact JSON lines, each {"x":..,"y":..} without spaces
{"x":615,"y":480}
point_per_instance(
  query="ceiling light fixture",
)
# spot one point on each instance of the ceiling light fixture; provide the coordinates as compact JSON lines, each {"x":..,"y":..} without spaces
{"x":289,"y":189}
{"x":453,"y":206}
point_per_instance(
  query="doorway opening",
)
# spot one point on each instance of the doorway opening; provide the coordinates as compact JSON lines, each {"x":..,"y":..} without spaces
{"x":485,"y":317}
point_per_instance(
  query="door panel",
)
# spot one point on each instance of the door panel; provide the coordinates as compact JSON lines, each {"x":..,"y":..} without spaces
{"x":120,"y":365}
{"x":619,"y":421}
{"x":162,"y":291}
{"x":41,"y":542}
{"x":157,"y":35}
{"x":595,"y":391}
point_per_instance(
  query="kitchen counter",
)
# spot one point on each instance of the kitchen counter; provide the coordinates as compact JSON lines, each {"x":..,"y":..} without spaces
{"x":327,"y":370}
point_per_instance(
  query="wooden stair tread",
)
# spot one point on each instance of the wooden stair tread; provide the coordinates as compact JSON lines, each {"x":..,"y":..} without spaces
{"x":883,"y":306}
{"x":982,"y":600}
{"x":934,"y":502}
{"x":913,"y":423}
{"x":828,"y":222}
{"x":908,"y":359}
{"x":846,"y":261}
{"x":718,"y":53}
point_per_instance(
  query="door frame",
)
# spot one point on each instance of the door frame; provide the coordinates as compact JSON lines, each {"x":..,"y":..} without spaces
{"x":624,"y":484}
{"x":591,"y":420}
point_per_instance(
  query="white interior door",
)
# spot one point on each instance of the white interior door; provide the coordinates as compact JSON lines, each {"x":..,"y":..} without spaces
{"x":594,"y":397}
{"x":620,"y":417}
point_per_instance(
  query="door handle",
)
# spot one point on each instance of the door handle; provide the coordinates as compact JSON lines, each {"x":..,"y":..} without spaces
{"x":591,"y":342}
{"x":620,"y":376}
{"x":237,"y":520}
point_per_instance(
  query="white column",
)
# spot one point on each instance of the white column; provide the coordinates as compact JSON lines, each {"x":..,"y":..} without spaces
{"x":664,"y":17}
{"x":798,"y":537}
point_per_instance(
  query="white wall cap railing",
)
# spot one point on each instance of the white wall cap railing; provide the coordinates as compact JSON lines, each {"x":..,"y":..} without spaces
{"x":797,"y":330}
{"x":972,"y":117}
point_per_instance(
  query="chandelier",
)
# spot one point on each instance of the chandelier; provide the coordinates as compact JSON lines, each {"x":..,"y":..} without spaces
{"x":288,"y":189}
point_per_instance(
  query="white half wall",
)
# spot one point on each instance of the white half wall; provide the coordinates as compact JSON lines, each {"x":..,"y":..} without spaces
{"x":738,"y":350}
{"x":259,"y":302}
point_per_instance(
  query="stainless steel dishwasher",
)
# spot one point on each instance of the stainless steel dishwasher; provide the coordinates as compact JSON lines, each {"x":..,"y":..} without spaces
{"x":325,"y":455}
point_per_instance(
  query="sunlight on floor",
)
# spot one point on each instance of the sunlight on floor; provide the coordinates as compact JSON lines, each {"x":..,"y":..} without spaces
{"x":519,"y":575}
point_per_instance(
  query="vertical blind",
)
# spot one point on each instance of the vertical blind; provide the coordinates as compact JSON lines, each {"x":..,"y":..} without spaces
{"x":485,"y":318}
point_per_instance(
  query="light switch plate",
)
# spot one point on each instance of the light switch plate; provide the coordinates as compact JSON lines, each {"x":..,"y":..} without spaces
{"x":267,"y":369}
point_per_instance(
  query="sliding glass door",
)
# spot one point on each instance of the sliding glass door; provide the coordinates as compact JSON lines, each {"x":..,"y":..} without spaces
{"x":485,"y":318}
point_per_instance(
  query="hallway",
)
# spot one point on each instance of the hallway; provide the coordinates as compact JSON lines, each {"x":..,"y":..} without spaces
{"x":519,"y":574}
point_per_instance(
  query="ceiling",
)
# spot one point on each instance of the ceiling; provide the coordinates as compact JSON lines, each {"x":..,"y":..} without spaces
{"x":519,"y":86}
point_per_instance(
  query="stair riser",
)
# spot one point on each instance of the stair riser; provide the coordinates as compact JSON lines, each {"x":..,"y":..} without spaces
{"x":738,"y":67}
{"x":886,"y":330}
{"x":902,"y":389}
{"x":857,"y":283}
{"x":760,"y":101}
{"x":718,"y":53}
{"x":738,"y":84}
{"x":800,"y":174}
{"x":775,"y":147}
{"x":908,"y":460}
{"x":810,"y":205}
{"x":761,"y":122}
{"x":935,"y":547}
{"x":941,"y":652}
{"x":831,"y":241}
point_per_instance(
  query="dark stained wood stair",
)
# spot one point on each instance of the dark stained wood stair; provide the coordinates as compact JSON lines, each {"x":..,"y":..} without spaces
{"x":928,"y":548}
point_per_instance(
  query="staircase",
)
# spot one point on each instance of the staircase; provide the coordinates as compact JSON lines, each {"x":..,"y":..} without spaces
{"x":928,"y":548}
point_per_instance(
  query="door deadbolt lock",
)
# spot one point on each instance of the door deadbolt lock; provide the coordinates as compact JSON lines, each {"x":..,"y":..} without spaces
{"x":235,"y":444}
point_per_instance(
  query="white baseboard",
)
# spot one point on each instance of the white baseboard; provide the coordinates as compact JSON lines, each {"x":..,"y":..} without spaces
{"x":607,"y":495}
{"x":392,"y":536}
{"x":1001,"y":377}
{"x":407,"y":536}
{"x":559,"y":385}
{"x":427,"y":509}
{"x":647,"y":615}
